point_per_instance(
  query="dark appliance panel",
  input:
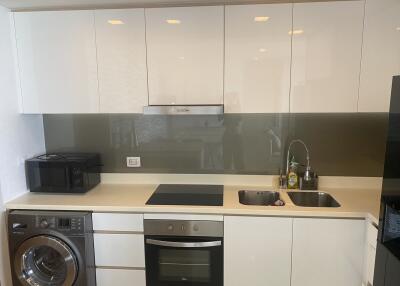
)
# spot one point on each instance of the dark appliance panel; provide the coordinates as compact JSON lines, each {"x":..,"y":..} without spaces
{"x":184,"y":253}
{"x":391,"y":177}
{"x":171,"y":261}
{"x":51,"y":248}
{"x":199,"y":195}
{"x":387,"y":263}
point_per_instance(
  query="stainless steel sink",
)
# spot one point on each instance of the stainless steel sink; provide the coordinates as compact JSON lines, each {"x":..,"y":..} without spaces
{"x":260,"y":198}
{"x":313,"y":199}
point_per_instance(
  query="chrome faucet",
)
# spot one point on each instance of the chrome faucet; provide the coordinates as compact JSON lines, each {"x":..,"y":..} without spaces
{"x":307,"y":174}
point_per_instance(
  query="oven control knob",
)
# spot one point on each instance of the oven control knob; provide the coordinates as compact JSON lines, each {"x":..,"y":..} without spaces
{"x":196,"y":227}
{"x":44,"y":224}
{"x":170,"y":227}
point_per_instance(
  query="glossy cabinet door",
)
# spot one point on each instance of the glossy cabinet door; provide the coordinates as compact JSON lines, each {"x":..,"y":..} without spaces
{"x":117,"y":222}
{"x":381,"y":54}
{"x":121,"y":54}
{"x":257,"y":58}
{"x":185,"y":48}
{"x":56,"y":53}
{"x":119,"y":250}
{"x":370,"y":253}
{"x":119,"y":277}
{"x":257,"y":251}
{"x":327,"y":252}
{"x":327,"y":40}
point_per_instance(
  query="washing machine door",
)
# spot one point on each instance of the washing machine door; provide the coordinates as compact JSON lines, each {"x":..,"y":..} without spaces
{"x":45,"y":260}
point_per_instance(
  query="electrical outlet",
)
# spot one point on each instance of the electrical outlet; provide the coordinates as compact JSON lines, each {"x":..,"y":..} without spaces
{"x":133,"y":162}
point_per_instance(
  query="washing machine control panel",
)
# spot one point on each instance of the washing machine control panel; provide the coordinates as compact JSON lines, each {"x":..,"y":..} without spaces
{"x":61,"y":224}
{"x":76,"y":223}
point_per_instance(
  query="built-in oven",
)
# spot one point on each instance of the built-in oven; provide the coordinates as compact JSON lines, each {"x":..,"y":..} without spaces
{"x":182,"y":253}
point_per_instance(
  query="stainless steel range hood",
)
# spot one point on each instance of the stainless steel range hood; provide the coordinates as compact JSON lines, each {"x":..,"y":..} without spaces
{"x":184,"y":109}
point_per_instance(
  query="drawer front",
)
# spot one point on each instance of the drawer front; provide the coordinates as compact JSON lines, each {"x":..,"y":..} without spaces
{"x":117,"y":222}
{"x":114,"y":277}
{"x":119,"y":250}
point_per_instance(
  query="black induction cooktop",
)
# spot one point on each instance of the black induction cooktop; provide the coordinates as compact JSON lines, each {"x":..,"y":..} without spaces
{"x":190,"y":195}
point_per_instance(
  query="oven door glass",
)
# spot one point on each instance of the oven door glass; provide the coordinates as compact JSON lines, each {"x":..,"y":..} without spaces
{"x":184,"y":261}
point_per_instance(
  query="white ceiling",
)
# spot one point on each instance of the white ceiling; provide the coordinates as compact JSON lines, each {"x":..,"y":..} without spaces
{"x":87,"y":4}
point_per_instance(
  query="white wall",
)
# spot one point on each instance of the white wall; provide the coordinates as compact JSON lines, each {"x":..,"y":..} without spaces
{"x":4,"y":262}
{"x":21,"y":136}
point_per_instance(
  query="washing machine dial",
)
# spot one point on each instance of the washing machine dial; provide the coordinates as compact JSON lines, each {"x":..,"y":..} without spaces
{"x":44,"y":223}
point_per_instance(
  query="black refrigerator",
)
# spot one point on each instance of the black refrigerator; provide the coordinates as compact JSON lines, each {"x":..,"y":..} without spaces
{"x":387,"y":264}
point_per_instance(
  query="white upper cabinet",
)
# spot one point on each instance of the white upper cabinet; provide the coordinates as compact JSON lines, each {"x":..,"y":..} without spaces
{"x":257,"y":58}
{"x":121,"y":54}
{"x":327,"y":40}
{"x":56,"y":54}
{"x":185,"y":49}
{"x":381,"y":54}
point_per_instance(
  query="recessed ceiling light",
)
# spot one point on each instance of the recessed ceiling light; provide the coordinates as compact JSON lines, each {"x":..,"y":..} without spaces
{"x":173,"y":21}
{"x":296,"y":32}
{"x":398,"y":28}
{"x":261,"y":19}
{"x":115,"y":22}
{"x":262,"y":50}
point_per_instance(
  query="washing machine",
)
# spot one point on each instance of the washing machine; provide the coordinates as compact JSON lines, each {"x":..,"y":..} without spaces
{"x":50,"y":248}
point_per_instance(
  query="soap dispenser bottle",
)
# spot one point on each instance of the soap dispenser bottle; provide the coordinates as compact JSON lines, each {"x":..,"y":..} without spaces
{"x":292,"y":176}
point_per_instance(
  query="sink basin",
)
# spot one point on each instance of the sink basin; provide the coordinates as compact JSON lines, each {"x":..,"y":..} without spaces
{"x":313,"y":199}
{"x":260,"y":198}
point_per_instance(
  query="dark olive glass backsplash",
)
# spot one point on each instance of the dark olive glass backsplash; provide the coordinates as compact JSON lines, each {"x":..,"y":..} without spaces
{"x":340,"y":144}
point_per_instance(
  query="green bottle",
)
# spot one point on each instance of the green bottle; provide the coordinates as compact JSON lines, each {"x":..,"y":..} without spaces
{"x":292,"y":177}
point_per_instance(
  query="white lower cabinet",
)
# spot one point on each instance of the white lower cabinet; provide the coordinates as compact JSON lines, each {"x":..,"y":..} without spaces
{"x":119,"y":250}
{"x":257,"y":251}
{"x":114,"y":277}
{"x":327,"y":252}
{"x":117,"y":222}
{"x":370,"y":253}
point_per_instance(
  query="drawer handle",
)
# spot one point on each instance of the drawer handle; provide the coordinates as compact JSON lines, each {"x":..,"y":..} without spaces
{"x":183,"y":244}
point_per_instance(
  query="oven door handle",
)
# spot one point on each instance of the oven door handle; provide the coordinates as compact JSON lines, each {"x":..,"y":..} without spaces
{"x":183,"y":244}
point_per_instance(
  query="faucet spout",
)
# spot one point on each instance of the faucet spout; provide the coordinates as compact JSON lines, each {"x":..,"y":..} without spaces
{"x":307,"y":175}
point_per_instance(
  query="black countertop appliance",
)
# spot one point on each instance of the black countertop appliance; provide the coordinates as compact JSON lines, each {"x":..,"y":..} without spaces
{"x":189,"y":195}
{"x":387,"y":264}
{"x":63,"y":172}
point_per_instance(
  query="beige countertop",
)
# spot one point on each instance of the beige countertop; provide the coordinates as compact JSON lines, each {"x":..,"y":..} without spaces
{"x":355,"y":203}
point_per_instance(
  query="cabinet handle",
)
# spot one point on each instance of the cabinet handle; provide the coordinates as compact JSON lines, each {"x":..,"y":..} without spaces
{"x":183,"y":109}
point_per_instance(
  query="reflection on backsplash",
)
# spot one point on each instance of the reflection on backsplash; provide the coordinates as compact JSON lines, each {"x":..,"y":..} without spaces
{"x":340,"y":144}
